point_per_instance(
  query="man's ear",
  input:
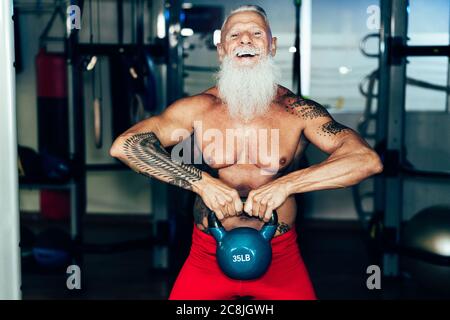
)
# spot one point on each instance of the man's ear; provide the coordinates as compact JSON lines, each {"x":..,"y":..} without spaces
{"x":220,"y":51}
{"x":273,"y":51}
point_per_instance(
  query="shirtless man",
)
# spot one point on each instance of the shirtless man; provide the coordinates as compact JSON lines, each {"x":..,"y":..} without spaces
{"x":247,"y":97}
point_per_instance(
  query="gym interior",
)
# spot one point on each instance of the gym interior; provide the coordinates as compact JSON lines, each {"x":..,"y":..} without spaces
{"x":76,"y":74}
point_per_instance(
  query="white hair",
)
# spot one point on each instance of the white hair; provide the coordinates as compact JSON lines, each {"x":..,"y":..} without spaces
{"x":247,"y":8}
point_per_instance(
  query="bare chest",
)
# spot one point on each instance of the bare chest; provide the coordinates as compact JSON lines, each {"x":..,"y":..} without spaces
{"x":269,"y":142}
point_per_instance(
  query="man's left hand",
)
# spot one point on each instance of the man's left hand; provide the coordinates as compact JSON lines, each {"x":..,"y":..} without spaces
{"x":263,"y":201}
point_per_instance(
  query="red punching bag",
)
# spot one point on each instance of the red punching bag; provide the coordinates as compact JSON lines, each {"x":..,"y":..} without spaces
{"x":53,"y":130}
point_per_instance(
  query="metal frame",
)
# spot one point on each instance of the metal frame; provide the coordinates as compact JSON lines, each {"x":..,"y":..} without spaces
{"x":305,"y":46}
{"x":447,"y":103}
{"x":296,"y":74}
{"x":174,"y":51}
{"x":75,"y":51}
{"x":174,"y":91}
{"x":390,"y":121}
{"x":165,"y":257}
{"x":76,"y":139}
{"x":391,"y":109}
{"x":109,"y":49}
{"x":10,"y":278}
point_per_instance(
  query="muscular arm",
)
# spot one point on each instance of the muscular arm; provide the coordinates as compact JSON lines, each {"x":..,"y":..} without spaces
{"x":350,"y":158}
{"x":142,"y":146}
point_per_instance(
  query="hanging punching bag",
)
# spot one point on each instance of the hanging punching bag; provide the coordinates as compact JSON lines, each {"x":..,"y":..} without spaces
{"x":53,"y":139}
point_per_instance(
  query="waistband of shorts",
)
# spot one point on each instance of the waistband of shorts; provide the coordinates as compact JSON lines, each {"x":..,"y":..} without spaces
{"x":208,"y":243}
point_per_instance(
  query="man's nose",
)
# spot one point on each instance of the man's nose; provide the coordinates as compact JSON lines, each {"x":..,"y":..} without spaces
{"x":245,"y":39}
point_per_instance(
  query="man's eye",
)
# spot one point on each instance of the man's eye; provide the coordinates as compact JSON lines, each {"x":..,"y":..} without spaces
{"x":234,"y":35}
{"x":257,"y":33}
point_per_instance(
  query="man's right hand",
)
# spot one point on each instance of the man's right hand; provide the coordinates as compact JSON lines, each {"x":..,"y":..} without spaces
{"x":218,"y":197}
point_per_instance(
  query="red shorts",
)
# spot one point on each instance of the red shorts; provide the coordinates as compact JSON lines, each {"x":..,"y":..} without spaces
{"x":201,"y":278}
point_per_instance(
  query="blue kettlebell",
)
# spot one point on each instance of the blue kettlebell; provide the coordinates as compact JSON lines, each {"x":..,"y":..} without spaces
{"x":243,"y":253}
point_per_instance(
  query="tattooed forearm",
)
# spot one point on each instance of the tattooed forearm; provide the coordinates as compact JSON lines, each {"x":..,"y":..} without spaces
{"x":283,"y":227}
{"x":201,"y":215}
{"x":146,"y":156}
{"x":332,"y":128}
{"x":304,"y":108}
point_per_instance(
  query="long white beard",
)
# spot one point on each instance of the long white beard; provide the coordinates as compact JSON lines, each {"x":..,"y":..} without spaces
{"x":248,"y":90}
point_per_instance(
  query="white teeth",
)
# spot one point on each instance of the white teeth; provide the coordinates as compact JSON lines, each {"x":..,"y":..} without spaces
{"x":246,"y":52}
{"x":240,"y":54}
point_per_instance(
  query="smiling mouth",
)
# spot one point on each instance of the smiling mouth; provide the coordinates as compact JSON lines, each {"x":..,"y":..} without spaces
{"x":246,"y":55}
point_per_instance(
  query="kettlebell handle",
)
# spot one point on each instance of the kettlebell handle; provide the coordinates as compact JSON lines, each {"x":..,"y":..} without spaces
{"x":213,"y":222}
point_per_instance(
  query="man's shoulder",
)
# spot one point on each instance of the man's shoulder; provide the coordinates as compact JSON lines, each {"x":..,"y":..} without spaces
{"x":289,"y":99}
{"x":283,"y":91}
{"x":286,"y":97}
{"x":196,"y":103}
{"x":300,"y":107}
{"x":204,"y":99}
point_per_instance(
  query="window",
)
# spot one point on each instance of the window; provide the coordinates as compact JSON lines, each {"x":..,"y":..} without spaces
{"x":429,"y":24}
{"x":337,"y":65}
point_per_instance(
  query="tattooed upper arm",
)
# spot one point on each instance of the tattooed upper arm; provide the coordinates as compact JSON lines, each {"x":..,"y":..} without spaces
{"x":318,"y":125}
{"x":304,"y":109}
